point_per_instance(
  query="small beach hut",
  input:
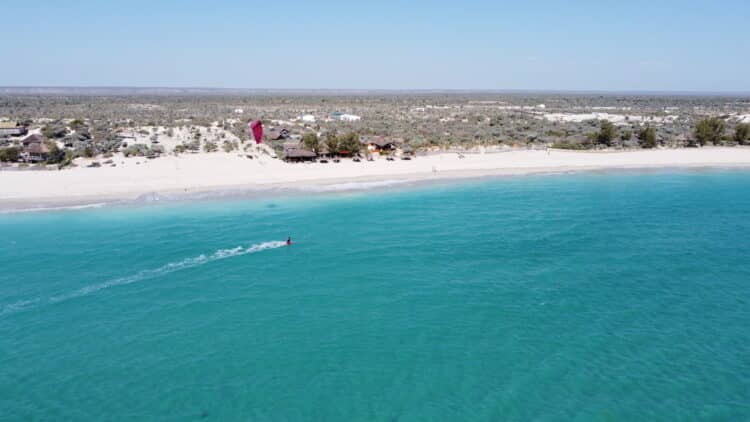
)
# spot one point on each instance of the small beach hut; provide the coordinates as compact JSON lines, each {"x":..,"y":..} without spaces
{"x":295,"y":155}
{"x":379,"y":143}
{"x":36,"y":152}
{"x":32,"y":139}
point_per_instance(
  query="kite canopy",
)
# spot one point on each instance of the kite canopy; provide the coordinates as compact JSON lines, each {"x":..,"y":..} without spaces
{"x":257,"y":128}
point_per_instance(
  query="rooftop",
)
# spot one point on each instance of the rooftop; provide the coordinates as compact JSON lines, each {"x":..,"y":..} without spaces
{"x":300,"y":153}
{"x":379,"y":141}
{"x":35,"y":138}
{"x":37,"y":148}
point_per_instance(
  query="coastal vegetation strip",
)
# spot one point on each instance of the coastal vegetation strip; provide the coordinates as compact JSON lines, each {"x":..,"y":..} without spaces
{"x":59,"y":131}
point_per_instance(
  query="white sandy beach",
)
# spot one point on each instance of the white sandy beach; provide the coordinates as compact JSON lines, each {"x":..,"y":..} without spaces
{"x":188,"y":174}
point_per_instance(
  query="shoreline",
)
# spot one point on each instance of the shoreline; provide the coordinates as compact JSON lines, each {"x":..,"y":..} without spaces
{"x":313,"y":189}
{"x":156,"y":182}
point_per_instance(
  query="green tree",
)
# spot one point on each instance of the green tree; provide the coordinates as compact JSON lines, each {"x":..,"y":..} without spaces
{"x":332,"y":142}
{"x":311,"y":142}
{"x":193,"y":146}
{"x":741,"y":133}
{"x":210,"y":147}
{"x":54,"y":131}
{"x":647,"y":137}
{"x":76,"y":124}
{"x":350,"y":142}
{"x":607,"y":133}
{"x":56,"y":155}
{"x":590,"y":140}
{"x":710,"y":131}
{"x":10,"y":155}
{"x":626,"y":135}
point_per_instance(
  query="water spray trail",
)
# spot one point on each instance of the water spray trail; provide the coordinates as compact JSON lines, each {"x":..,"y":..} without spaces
{"x":142,"y":275}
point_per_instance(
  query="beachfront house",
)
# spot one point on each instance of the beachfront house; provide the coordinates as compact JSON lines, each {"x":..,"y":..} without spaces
{"x":35,"y":153}
{"x":294,"y":152}
{"x":295,"y":155}
{"x":34,"y":149}
{"x":379,"y":144}
{"x":32,"y":139}
{"x":8,"y":129}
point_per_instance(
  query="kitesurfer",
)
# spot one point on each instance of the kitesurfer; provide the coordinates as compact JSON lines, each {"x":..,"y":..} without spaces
{"x":289,"y":240}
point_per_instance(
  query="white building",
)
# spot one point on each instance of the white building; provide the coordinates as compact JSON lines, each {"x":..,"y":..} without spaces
{"x":350,"y":118}
{"x":308,"y":118}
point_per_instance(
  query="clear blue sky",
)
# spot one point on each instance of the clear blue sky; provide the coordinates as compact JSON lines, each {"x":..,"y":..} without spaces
{"x":657,"y":45}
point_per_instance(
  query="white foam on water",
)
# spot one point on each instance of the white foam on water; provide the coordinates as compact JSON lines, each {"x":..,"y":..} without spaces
{"x":17,"y":306}
{"x":60,"y":208}
{"x":143,"y":275}
{"x":354,"y":186}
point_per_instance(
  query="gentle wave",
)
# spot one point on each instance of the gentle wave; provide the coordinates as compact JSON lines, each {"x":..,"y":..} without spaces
{"x":143,"y":275}
{"x":354,"y":186}
{"x":260,"y":191}
{"x":55,"y":208}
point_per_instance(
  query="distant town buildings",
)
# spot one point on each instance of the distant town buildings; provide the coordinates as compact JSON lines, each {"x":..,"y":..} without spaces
{"x":350,"y":118}
{"x":344,"y":117}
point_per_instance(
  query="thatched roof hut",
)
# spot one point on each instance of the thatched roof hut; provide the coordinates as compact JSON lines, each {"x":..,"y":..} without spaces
{"x":35,"y":152}
{"x":289,"y":145}
{"x":379,"y":142}
{"x":299,"y":154}
{"x":37,"y":148}
{"x":32,"y":139}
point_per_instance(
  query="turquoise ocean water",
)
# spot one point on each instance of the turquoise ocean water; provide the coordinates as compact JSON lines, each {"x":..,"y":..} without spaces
{"x":617,"y":296}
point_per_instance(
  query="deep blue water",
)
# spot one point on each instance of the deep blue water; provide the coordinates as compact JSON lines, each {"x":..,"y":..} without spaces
{"x":617,"y":296}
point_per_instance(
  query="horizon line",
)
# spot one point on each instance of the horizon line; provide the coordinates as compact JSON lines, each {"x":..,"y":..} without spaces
{"x":5,"y":89}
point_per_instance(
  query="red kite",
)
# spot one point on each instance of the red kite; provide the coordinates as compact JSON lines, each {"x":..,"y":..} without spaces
{"x":257,"y":128}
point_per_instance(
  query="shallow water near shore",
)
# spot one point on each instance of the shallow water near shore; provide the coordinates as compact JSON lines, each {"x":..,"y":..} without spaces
{"x":615,"y":296}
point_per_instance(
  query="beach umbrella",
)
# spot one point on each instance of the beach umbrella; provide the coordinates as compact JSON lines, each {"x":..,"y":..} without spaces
{"x":256,"y":127}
